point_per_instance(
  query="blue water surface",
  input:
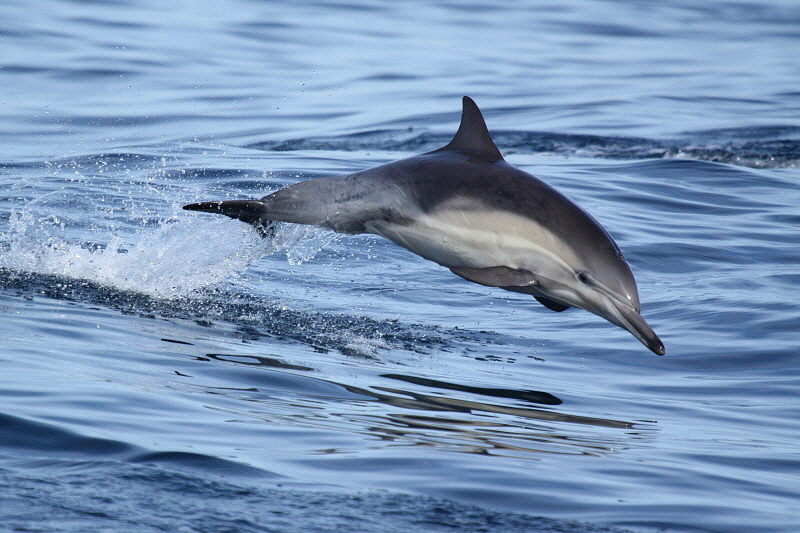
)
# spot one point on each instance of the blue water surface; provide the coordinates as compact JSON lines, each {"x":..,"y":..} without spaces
{"x":162,"y":370}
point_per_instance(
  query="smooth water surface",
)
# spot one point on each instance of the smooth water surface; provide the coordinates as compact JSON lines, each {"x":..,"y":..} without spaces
{"x":162,"y":370}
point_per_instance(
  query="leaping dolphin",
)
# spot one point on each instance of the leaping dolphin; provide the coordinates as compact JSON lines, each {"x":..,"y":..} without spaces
{"x":464,"y":207}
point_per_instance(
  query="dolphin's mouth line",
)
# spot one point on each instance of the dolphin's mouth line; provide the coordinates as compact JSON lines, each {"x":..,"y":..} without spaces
{"x":593,"y":282}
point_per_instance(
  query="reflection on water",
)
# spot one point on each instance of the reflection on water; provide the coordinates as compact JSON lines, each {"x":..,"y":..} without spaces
{"x":271,"y":362}
{"x":437,"y":416}
{"x":527,"y":396}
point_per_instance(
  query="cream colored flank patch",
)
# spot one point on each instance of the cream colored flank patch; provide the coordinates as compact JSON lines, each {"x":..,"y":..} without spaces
{"x":464,"y":235}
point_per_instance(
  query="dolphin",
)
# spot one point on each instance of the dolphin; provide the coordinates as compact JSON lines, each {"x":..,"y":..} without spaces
{"x":464,"y":207}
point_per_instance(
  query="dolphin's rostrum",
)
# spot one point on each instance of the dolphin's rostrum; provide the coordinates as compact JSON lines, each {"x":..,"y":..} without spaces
{"x":464,"y":207}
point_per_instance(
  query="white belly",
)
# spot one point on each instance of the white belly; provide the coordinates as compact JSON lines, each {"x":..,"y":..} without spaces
{"x":472,"y":238}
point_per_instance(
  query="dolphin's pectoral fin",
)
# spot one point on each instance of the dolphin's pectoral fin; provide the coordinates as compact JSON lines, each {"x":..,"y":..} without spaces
{"x":512,"y":279}
{"x":499,"y":276}
{"x":550,"y":304}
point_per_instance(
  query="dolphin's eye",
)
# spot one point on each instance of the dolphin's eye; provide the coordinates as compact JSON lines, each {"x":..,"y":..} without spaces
{"x":583,"y":277}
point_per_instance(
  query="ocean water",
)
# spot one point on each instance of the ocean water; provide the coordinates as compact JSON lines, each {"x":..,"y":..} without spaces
{"x":162,"y":370}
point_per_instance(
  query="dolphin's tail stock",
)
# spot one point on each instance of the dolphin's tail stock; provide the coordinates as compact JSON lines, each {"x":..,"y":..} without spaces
{"x":251,"y":211}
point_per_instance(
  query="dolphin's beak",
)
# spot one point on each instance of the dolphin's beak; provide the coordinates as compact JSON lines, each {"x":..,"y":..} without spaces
{"x":620,"y":310}
{"x":630,"y":319}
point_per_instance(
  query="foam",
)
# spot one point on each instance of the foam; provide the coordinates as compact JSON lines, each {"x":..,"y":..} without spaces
{"x":176,"y":255}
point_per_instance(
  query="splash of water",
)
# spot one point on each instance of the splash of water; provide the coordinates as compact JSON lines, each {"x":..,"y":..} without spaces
{"x":164,"y":262}
{"x":176,"y":255}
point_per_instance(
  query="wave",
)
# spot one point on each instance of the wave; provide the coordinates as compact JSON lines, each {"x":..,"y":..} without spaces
{"x":57,"y":443}
{"x":250,"y":316}
{"x":755,"y":147}
{"x":91,"y":481}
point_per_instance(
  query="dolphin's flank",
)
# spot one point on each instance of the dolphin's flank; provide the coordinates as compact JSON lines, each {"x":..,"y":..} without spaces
{"x":464,"y":207}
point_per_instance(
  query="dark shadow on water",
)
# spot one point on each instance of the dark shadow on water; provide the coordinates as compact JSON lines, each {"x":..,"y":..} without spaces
{"x":523,"y":395}
{"x":445,"y":418}
{"x":270,"y":362}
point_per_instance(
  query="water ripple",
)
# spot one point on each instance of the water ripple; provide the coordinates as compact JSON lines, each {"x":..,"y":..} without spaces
{"x":747,"y":147}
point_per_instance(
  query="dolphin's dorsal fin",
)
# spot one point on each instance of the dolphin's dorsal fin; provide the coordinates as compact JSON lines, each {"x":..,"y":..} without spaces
{"x":472,"y":134}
